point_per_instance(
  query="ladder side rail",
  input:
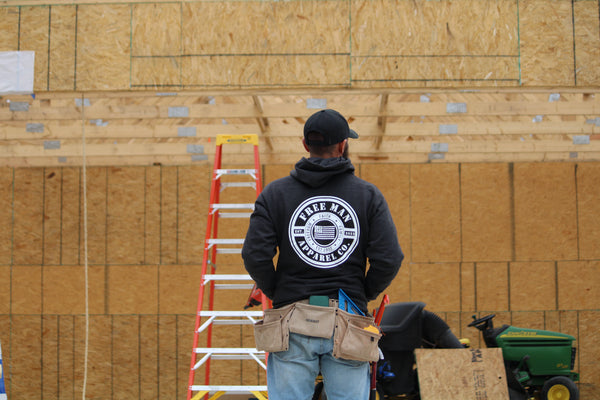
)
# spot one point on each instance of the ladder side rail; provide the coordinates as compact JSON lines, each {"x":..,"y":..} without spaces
{"x":200,"y":304}
{"x":259,"y":184}
{"x":215,"y":196}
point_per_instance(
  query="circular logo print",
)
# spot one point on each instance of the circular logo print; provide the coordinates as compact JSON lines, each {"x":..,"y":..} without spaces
{"x":324,"y":231}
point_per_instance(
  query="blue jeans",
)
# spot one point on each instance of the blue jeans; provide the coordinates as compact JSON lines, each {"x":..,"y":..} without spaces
{"x":291,"y":374}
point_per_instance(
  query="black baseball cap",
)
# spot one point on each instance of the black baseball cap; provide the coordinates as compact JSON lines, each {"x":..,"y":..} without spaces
{"x":331,"y":125}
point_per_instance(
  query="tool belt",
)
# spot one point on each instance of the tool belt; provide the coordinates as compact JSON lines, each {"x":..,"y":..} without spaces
{"x":350,"y":338}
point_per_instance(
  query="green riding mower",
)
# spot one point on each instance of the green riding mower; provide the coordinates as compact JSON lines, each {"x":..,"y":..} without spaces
{"x":539,"y":364}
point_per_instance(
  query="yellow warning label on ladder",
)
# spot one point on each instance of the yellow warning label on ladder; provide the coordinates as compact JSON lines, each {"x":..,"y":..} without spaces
{"x":232,"y":139}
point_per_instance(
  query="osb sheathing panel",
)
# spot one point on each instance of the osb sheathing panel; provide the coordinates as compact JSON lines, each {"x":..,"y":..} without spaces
{"x":6,"y":215}
{"x":545,"y":212}
{"x":486,"y":212}
{"x":33,"y":36}
{"x":436,"y":284}
{"x":588,"y":210}
{"x":435,"y":213}
{"x":300,"y":43}
{"x":148,"y":308}
{"x":103,"y":60}
{"x":125,"y":225}
{"x":578,"y":285}
{"x":429,"y":42}
{"x":587,"y":36}
{"x":491,"y":280}
{"x":61,"y":73}
{"x":27,"y":216}
{"x":553,"y":56}
{"x":9,"y":34}
{"x":461,"y":373}
{"x":533,"y":277}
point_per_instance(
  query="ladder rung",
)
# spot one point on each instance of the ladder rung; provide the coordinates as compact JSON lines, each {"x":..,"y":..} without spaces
{"x":220,"y":172}
{"x":234,"y":286}
{"x":235,"y":215}
{"x":227,"y":388}
{"x":227,"y":350}
{"x":229,"y":251}
{"x":239,"y":313}
{"x":227,"y":277}
{"x":232,"y":206}
{"x":224,"y":241}
{"x":225,"y":185}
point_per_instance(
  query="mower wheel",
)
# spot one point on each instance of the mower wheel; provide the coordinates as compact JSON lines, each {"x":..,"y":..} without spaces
{"x":560,"y":388}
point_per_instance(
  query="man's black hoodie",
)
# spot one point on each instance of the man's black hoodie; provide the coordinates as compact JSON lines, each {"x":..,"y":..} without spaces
{"x":326,"y":223}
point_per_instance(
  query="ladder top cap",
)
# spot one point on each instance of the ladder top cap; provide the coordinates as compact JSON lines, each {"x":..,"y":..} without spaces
{"x":230,"y":139}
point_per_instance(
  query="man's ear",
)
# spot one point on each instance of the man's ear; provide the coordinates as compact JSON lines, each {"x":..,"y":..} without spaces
{"x":305,"y":145}
{"x":341,"y":146}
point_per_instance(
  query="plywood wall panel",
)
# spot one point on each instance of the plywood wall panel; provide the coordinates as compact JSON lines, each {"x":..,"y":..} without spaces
{"x":178,"y":287}
{"x":64,"y":289}
{"x":467,"y":287}
{"x":435,"y":209}
{"x":133,"y":289}
{"x":100,"y":356}
{"x":96,"y":196}
{"x":103,"y":60}
{"x":588,"y":210}
{"x":9,"y":35}
{"x":62,"y":52}
{"x":437,"y":285}
{"x":492,"y":288}
{"x":65,"y":363}
{"x":243,"y":71}
{"x":168,"y":215}
{"x":272,"y":172}
{"x":5,"y":301}
{"x":435,"y":28}
{"x":486,"y":212}
{"x":27,"y":216}
{"x":156,"y":72}
{"x":148,"y":363}
{"x":156,"y":29}
{"x":50,"y":350}
{"x":548,"y":61}
{"x":33,"y":36}
{"x":25,"y":374}
{"x":193,"y":199}
{"x":394,"y":183}
{"x":527,"y":278}
{"x":545,"y":212}
{"x":71,"y":216}
{"x":426,"y":71}
{"x":126,"y":356}
{"x":265,"y":27}
{"x":587,"y":42}
{"x":6,"y":215}
{"x":26,"y":289}
{"x":167,"y":354}
{"x":52,"y":215}
{"x":152,"y":219}
{"x":125,"y":225}
{"x":578,"y":285}
{"x":588,"y":349}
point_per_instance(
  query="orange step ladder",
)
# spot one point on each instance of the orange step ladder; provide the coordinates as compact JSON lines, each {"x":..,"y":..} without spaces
{"x":208,"y":315}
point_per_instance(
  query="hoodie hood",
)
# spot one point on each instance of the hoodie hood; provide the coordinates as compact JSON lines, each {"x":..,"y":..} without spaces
{"x":316,"y":172}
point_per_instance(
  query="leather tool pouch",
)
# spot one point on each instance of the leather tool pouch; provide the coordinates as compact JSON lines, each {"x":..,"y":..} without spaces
{"x":272,"y":333}
{"x":351,"y":341}
{"x":311,"y":320}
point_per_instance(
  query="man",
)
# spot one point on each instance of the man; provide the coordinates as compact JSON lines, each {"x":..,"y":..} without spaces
{"x":326,"y":223}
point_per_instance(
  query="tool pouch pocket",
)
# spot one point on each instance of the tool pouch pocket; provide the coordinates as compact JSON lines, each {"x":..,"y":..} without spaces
{"x":351,"y":340}
{"x":272,"y":333}
{"x":311,"y":320}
